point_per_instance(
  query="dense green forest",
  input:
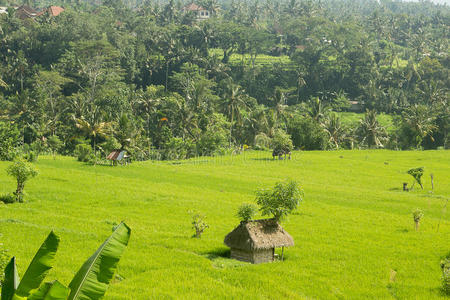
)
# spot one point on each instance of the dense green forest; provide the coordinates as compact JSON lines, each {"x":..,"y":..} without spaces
{"x":147,"y":76}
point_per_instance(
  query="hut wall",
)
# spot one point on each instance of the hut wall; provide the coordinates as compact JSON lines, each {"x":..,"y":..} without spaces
{"x":241,"y":255}
{"x":262,"y":256}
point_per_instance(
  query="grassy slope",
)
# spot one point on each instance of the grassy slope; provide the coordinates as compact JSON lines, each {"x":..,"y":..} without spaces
{"x":352,"y":119}
{"x":354,"y":226}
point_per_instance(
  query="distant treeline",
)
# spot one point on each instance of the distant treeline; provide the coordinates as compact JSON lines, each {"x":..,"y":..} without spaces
{"x":150,"y":77}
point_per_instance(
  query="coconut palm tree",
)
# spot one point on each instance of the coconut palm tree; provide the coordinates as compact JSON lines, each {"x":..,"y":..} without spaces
{"x":370,"y":132}
{"x":421,"y":120}
{"x":234,"y":100}
{"x":316,"y":109}
{"x":334,"y":128}
{"x":92,"y":130}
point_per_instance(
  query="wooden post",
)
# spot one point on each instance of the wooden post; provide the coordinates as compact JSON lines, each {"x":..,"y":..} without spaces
{"x":282,"y":253}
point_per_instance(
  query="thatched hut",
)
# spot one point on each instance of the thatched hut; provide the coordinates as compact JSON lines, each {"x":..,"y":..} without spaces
{"x":255,"y":241}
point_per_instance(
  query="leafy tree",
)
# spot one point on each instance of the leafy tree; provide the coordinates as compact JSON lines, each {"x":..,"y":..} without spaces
{"x":281,"y":143}
{"x":307,"y":134}
{"x":281,"y":200}
{"x":9,"y":139}
{"x":198,"y":224}
{"x":22,"y":172}
{"x":417,"y":174}
{"x":50,"y":84}
{"x":246,"y":212}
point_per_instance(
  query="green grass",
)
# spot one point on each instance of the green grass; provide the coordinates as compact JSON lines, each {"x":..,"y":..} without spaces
{"x":261,"y":59}
{"x":354,"y":226}
{"x":352,"y":119}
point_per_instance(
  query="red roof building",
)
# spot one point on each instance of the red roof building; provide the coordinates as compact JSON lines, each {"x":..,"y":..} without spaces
{"x":201,"y":13}
{"x":26,"y":12}
{"x":55,"y":10}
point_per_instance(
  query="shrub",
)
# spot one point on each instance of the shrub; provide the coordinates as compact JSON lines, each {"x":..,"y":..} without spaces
{"x":445,"y":266}
{"x":7,"y":198}
{"x":246,"y":212}
{"x":281,"y":143}
{"x":31,"y":156}
{"x":281,"y":200}
{"x":83,"y":152}
{"x":262,"y":141}
{"x":307,"y":134}
{"x":176,"y":148}
{"x":417,"y":215}
{"x":21,"y":171}
{"x":214,"y":140}
{"x":199,"y":224}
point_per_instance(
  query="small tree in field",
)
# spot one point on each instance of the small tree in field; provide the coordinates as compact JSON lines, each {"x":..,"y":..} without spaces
{"x":199,"y":224}
{"x":21,"y":171}
{"x":417,"y":173}
{"x":417,"y":215}
{"x":246,"y":212}
{"x":281,"y":200}
{"x":281,"y":143}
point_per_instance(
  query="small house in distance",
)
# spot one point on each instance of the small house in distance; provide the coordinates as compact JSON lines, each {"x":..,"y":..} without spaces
{"x":118,"y":156}
{"x":255,"y":241}
{"x":53,"y":11}
{"x":25,"y":12}
{"x":200,"y":12}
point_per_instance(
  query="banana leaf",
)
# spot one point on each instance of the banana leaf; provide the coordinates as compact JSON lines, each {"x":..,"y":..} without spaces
{"x":39,"y":266}
{"x":11,"y":280}
{"x":92,"y":280}
{"x":50,"y":291}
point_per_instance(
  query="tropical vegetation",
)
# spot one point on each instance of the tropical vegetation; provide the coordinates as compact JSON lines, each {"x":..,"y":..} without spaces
{"x":147,"y":77}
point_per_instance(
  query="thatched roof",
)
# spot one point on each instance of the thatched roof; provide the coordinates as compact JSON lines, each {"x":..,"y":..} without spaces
{"x":258,"y":234}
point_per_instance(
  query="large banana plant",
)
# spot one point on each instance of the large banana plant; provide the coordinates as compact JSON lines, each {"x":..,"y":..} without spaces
{"x":90,"y":282}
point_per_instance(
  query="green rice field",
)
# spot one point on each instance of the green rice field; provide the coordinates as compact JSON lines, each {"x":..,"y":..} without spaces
{"x":353,"y":230}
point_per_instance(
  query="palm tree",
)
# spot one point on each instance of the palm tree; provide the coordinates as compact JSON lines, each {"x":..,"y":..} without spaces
{"x":234,"y":99}
{"x":280,"y":110}
{"x":148,"y":103}
{"x":212,"y":6}
{"x":421,"y":120}
{"x":334,"y":128}
{"x":92,"y":130}
{"x":316,"y":109}
{"x":370,"y":132}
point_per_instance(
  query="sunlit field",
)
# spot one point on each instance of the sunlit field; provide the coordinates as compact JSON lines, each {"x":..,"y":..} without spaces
{"x":353,"y":229}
